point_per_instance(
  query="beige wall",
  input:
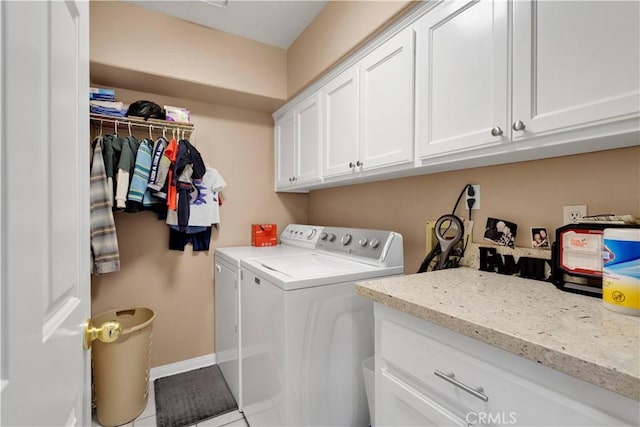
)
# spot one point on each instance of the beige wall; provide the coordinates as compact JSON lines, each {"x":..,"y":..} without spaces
{"x":179,"y":285}
{"x":127,"y":37}
{"x":527,"y":193}
{"x":339,"y":28}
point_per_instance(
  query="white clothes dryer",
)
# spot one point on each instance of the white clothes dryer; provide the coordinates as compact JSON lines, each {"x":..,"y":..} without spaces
{"x":305,"y":333}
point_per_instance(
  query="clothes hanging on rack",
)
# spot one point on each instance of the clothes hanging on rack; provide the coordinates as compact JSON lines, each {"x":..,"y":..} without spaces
{"x":119,"y":160}
{"x":104,"y":241}
{"x":203,"y":201}
{"x":189,"y":166}
{"x":125,"y":168}
{"x":169,"y":158}
{"x":137,"y":172}
{"x":159,"y":169}
{"x":140,"y":176}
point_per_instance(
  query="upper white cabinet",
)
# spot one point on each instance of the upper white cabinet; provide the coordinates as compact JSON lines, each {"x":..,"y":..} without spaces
{"x":341,"y":123}
{"x":465,"y":83}
{"x":575,"y":64}
{"x":386,"y":103}
{"x":574,"y":75}
{"x":368,"y":111}
{"x":461,"y":77}
{"x":298,"y":156}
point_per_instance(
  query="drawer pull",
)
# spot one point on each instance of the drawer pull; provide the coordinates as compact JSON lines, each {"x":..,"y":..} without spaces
{"x":451,"y":378}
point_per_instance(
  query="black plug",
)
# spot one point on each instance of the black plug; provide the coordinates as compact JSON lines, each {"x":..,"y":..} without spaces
{"x":470,"y":193}
{"x":471,"y":202}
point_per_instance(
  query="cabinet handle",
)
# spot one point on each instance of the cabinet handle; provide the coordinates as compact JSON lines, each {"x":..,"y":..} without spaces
{"x":359,"y":163}
{"x":519,"y":125}
{"x":477,"y":392}
{"x":256,"y":280}
{"x":351,"y":165}
{"x":295,"y":178}
{"x":496,"y":131}
{"x":289,"y":179}
{"x":218,"y":268}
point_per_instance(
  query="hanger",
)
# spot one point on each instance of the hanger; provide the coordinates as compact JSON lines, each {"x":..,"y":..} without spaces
{"x":150,"y":135}
{"x":164,"y":133}
{"x":115,"y":128}
{"x":100,"y":132}
{"x":130,"y":129}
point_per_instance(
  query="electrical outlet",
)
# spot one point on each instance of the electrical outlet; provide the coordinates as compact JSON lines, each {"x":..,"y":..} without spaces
{"x":476,"y":196}
{"x":574,"y":213}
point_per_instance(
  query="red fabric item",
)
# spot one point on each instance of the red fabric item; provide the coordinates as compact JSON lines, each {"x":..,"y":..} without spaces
{"x":171,"y":152}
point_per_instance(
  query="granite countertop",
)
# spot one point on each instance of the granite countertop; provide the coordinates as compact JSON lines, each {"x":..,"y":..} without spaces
{"x":572,"y":333}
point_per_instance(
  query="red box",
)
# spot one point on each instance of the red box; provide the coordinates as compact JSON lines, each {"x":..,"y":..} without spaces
{"x":264,"y":235}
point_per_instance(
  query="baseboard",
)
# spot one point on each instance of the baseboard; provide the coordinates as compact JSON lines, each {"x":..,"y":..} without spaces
{"x":182,"y":366}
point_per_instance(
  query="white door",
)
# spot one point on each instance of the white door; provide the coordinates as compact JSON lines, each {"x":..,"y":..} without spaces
{"x":386,"y":103}
{"x":44,"y":213}
{"x":461,"y":63}
{"x":341,"y":120}
{"x":308,"y":158}
{"x":285,"y":154}
{"x":575,"y":64}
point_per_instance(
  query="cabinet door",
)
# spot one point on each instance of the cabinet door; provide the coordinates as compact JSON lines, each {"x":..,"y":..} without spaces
{"x":399,"y":404}
{"x":285,"y":154}
{"x":386,"y":103}
{"x":461,"y":66}
{"x":576,"y":63}
{"x":307,"y":135}
{"x":341,"y":120}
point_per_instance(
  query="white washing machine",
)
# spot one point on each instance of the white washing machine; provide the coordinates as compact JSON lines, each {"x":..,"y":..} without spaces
{"x":295,"y":239}
{"x":305,"y":333}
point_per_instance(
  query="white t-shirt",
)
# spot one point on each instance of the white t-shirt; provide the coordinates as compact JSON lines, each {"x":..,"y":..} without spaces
{"x":204,"y":210}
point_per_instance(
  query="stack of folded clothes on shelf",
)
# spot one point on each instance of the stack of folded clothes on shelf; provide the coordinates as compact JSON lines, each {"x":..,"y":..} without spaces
{"x":102,"y":101}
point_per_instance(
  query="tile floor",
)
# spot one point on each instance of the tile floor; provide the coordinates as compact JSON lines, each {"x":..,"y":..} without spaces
{"x":148,"y":417}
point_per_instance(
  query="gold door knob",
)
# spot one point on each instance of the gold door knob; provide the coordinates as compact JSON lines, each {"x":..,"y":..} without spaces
{"x":107,"y":332}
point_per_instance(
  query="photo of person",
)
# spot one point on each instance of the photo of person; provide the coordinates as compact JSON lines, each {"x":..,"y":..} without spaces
{"x":539,"y":238}
{"x":501,"y":232}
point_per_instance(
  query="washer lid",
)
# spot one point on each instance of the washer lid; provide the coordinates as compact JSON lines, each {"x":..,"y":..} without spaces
{"x":311,"y":265}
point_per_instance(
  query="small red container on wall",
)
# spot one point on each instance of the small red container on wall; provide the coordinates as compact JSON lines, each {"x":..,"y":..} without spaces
{"x":264,"y":235}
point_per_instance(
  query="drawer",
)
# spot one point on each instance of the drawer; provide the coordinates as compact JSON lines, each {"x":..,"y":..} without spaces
{"x":423,"y":361}
{"x":399,"y":404}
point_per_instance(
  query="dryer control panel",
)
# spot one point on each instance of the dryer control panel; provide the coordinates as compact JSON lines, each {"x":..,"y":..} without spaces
{"x":363,"y":244}
{"x":301,"y":236}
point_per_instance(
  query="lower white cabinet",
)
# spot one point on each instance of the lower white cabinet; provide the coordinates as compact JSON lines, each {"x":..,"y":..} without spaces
{"x":427,"y":375}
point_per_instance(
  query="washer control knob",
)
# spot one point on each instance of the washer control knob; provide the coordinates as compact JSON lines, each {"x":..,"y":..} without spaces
{"x":363,"y":242}
{"x":323,"y":236}
{"x":374,"y":243}
{"x":346,"y":239}
{"x":311,"y":233}
{"x":331,"y":237}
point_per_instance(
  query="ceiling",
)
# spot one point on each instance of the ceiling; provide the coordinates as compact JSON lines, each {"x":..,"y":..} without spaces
{"x":273,"y":22}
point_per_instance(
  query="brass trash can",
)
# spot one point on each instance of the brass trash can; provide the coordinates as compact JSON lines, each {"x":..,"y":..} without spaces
{"x":121,"y":368}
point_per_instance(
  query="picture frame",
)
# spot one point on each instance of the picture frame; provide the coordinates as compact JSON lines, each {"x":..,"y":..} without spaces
{"x":540,"y":238}
{"x":501,"y":232}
